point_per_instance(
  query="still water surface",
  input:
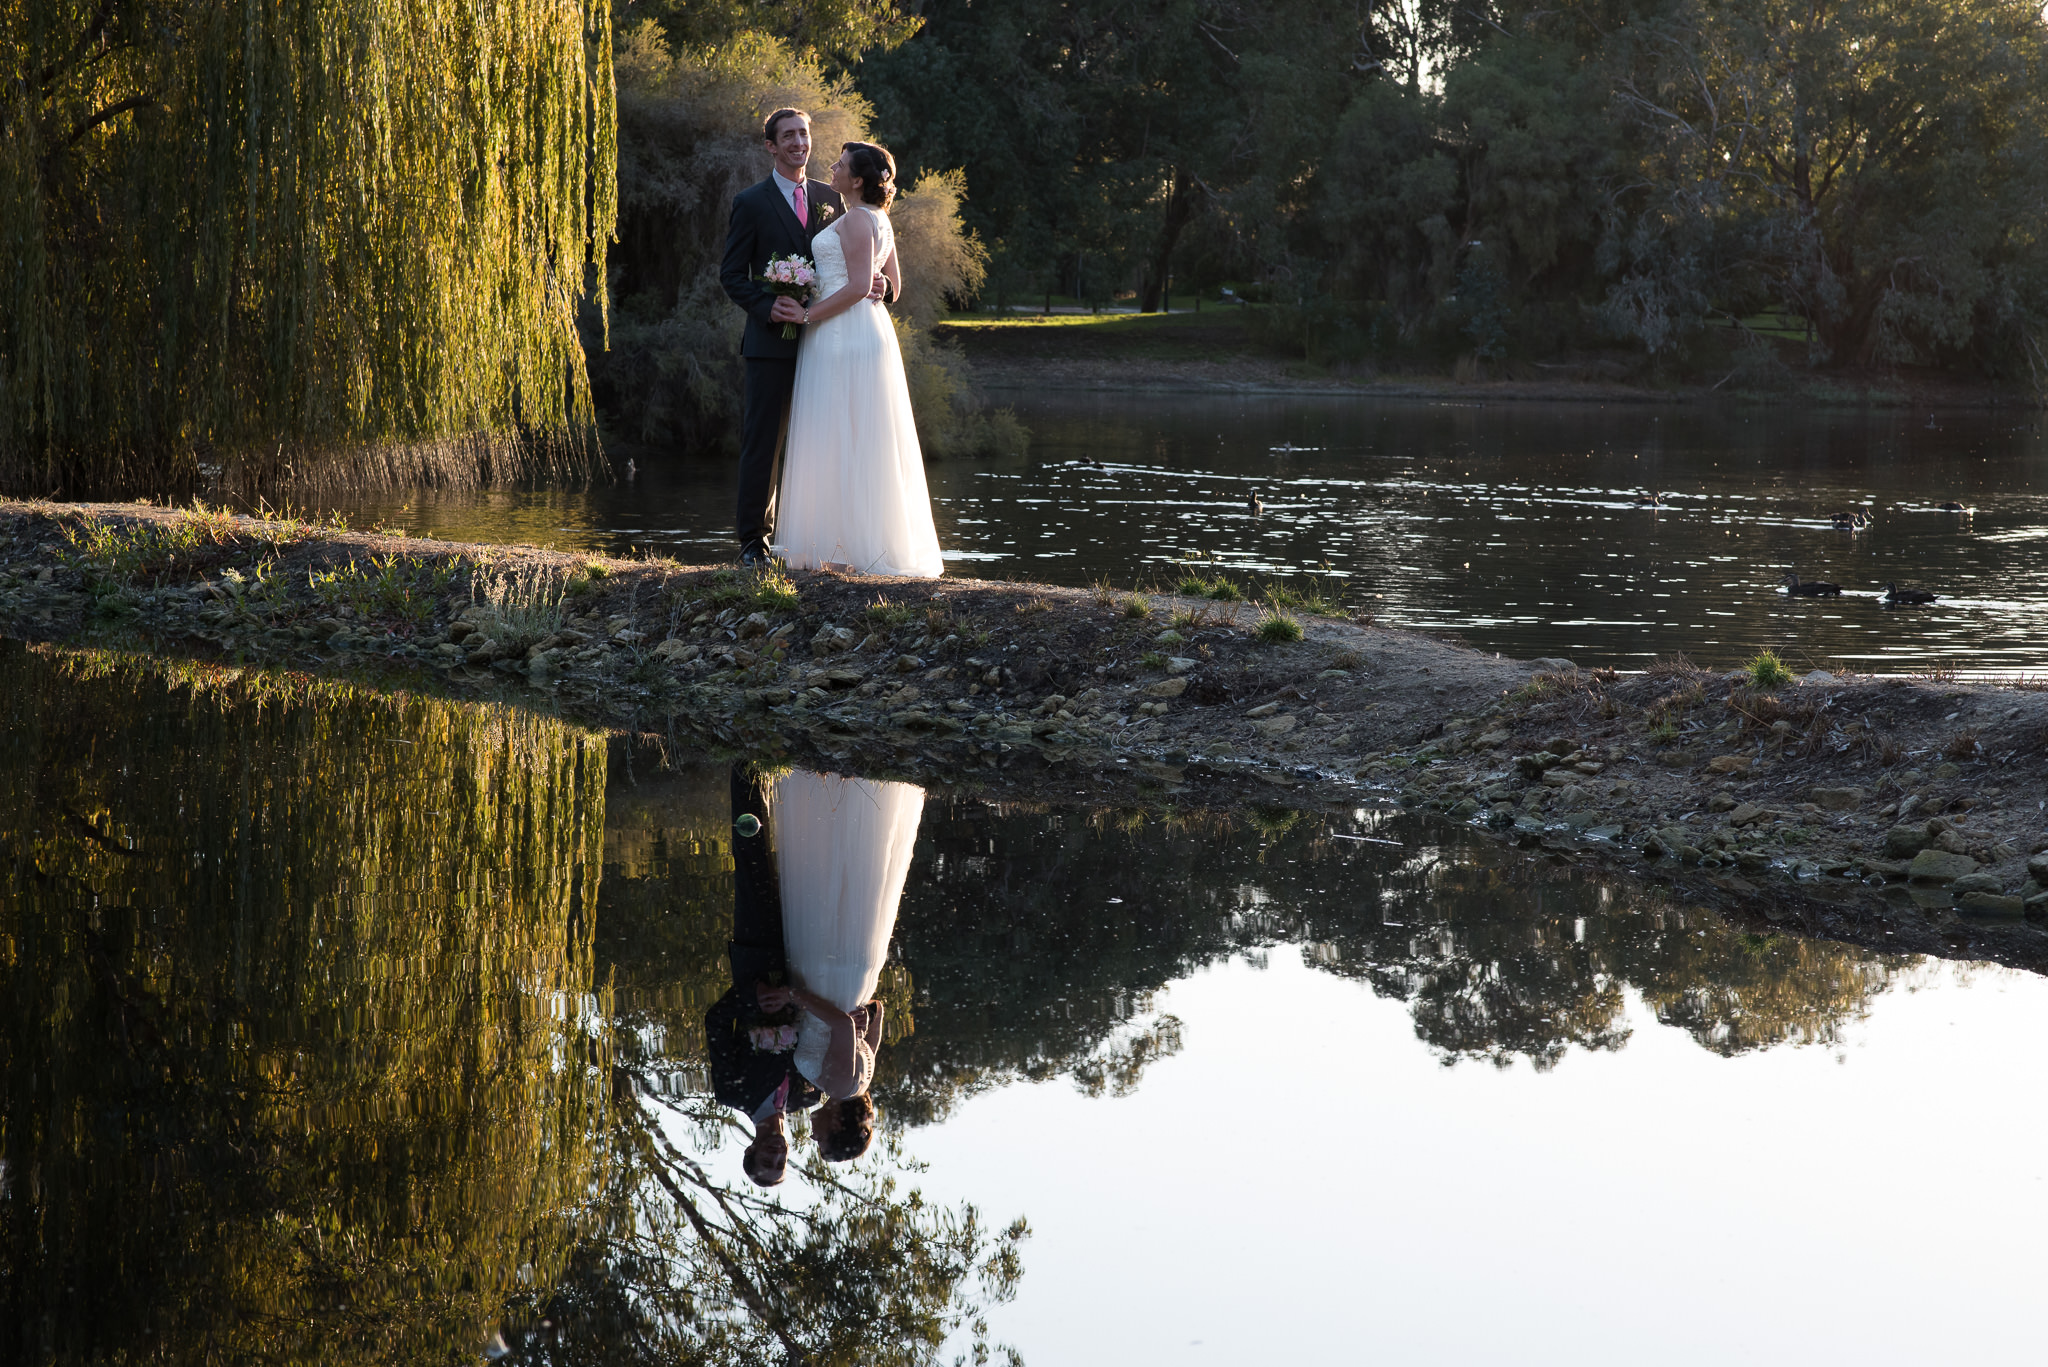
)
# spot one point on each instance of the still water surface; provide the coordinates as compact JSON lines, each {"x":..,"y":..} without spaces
{"x":1513,"y":525}
{"x":344,"y":1026}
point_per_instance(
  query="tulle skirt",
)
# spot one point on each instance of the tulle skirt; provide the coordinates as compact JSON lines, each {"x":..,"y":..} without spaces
{"x":853,"y":490}
{"x":842,"y":853}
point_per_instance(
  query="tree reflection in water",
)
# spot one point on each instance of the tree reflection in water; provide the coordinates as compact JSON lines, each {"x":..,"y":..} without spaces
{"x":322,"y":1038}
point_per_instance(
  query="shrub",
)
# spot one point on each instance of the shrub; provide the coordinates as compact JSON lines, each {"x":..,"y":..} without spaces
{"x":1768,"y":671}
{"x":1277,"y":628}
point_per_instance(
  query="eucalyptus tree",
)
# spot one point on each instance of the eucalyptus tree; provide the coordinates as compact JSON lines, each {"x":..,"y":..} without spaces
{"x":328,"y":240}
{"x":1879,"y":167}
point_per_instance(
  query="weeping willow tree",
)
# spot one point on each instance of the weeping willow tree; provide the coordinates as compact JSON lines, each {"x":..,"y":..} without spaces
{"x":299,"y":1059}
{"x":332,"y":242}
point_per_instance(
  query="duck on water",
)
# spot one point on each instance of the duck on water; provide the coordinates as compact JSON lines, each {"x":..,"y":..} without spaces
{"x":1816,"y":588}
{"x":1894,"y":596}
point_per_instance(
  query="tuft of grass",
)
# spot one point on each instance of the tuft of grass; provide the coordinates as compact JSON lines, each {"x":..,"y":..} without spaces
{"x":1187,"y":621}
{"x":1137,"y":605}
{"x":1768,"y":671}
{"x":1223,"y":591}
{"x":1105,"y":596}
{"x":1961,"y":746}
{"x":400,"y":586}
{"x":889,"y":614}
{"x":597,"y":569}
{"x":1277,"y":628}
{"x":523,"y":607}
{"x":775,"y":590}
{"x":1191,"y":586}
{"x":1036,"y":604}
{"x":1346,"y":659}
{"x":1152,"y":659}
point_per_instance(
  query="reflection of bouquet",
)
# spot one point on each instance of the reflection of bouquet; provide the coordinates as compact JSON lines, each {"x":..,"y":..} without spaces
{"x":792,"y":277}
{"x":772,"y":1032}
{"x":773,"y":1039}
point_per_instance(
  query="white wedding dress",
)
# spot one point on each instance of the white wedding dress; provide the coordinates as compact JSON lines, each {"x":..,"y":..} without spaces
{"x":842,"y":853}
{"x":853,"y":490}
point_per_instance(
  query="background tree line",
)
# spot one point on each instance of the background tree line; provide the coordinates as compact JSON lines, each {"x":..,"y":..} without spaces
{"x":1431,"y":178}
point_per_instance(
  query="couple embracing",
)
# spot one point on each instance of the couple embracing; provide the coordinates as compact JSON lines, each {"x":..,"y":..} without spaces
{"x":852,"y":491}
{"x":819,"y":864}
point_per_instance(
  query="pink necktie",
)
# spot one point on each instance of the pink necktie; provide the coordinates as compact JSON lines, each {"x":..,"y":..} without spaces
{"x":782,"y":1095}
{"x":797,"y":201}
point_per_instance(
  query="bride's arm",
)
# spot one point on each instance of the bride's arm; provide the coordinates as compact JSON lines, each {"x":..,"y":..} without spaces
{"x":836,"y":1076}
{"x":872,"y":1032}
{"x":893,"y":268}
{"x":857,"y":240}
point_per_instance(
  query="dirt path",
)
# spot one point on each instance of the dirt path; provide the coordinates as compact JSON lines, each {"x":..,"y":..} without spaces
{"x":1907,"y":813}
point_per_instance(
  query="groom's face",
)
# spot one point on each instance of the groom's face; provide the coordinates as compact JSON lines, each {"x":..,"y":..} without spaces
{"x":791,"y":147}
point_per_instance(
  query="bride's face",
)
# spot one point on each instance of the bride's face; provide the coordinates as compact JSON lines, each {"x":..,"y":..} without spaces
{"x":844,"y":181}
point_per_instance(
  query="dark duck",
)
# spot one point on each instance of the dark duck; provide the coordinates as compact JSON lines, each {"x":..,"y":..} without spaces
{"x":1895,"y":596}
{"x":1812,"y":589}
{"x":1855,"y":520}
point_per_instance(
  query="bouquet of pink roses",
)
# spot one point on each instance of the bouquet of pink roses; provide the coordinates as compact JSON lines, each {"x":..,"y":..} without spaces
{"x":793,"y":277}
{"x":773,"y":1039}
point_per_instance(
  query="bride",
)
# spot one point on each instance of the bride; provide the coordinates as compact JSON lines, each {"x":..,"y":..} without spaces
{"x":853,"y":493}
{"x":842,"y":853}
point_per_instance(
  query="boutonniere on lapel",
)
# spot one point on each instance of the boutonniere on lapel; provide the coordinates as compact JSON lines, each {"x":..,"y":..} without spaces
{"x":826,"y":213}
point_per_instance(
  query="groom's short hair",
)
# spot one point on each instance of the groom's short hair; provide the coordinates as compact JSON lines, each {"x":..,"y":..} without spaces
{"x":774,"y":121}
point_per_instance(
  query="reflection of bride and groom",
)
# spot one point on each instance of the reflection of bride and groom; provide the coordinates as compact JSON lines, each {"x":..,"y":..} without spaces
{"x":816,"y":885}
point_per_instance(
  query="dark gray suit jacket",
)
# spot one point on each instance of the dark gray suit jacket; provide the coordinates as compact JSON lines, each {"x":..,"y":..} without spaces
{"x":763,"y":225}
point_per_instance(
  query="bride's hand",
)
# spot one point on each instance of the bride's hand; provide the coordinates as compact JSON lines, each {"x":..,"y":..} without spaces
{"x":880,"y":282}
{"x":773,"y":998}
{"x":786,"y":310}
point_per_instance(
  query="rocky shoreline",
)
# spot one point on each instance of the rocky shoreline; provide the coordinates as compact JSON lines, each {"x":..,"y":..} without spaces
{"x":1906,"y":813}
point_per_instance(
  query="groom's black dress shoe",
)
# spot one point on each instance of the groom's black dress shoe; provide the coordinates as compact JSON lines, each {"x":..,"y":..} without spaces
{"x":754,"y":553}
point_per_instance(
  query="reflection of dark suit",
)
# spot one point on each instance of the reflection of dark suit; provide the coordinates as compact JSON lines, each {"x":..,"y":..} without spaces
{"x":741,"y":1075}
{"x":763,"y":225}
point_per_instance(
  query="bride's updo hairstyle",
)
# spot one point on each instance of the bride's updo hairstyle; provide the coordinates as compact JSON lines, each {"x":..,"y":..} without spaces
{"x":876,"y":169}
{"x":852,"y":1131}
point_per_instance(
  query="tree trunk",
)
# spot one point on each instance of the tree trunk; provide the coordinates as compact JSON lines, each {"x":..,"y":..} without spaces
{"x":1180,"y":207}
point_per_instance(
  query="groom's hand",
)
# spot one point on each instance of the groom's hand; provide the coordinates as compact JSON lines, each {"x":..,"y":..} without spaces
{"x":772,"y":998}
{"x":881,"y":284}
{"x":786,"y":310}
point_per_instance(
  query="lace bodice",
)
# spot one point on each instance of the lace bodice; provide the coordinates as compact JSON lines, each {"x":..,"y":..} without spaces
{"x":813,"y":1037}
{"x":828,"y":253}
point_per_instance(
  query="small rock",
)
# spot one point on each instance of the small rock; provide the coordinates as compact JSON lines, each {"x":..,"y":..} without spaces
{"x":629,"y":637}
{"x":1263,"y":710}
{"x":1326,"y":674}
{"x":1989,"y":904}
{"x":1551,"y":665}
{"x":831,"y":641}
{"x":1466,"y":808}
{"x":1818,"y":676}
{"x":1947,"y":771}
{"x":775,"y":697}
{"x":1746,"y":813}
{"x":1729,"y":764}
{"x":1675,"y":759}
{"x":1179,"y":664}
{"x":1492,"y":738}
{"x":670,"y":648}
{"x":1721,"y":802}
{"x":906,"y":664}
{"x":2037,"y":869}
{"x":1884,"y":867}
{"x":1939,"y":866}
{"x":1903,"y":842}
{"x":1559,"y":778}
{"x":1589,"y":766}
{"x":1168,"y":688}
{"x":756,"y":625}
{"x":1838,"y":799}
{"x":1169,"y":637}
{"x":1981,"y":881}
{"x":1270,"y":726}
{"x":1536,"y":765}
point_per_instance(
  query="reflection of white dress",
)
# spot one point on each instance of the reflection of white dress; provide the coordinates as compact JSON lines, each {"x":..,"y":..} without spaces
{"x":853,"y":489}
{"x":842,"y":852}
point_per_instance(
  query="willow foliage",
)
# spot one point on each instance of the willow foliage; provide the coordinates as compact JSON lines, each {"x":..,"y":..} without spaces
{"x":337,"y":241}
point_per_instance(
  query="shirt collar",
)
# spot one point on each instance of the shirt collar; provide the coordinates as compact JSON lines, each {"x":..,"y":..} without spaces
{"x":789,"y":187}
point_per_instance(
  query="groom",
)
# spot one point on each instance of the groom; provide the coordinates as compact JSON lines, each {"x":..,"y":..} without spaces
{"x":764,"y":1086}
{"x":778,"y":217}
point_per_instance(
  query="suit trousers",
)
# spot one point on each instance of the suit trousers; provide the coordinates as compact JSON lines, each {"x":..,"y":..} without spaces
{"x":764,"y":419}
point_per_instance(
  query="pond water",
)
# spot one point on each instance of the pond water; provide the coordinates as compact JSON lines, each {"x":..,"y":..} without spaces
{"x":351,"y":1026}
{"x":1512,"y":524}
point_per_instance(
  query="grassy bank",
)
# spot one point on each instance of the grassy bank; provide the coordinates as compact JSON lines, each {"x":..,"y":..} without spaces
{"x":1226,"y":349}
{"x":1898,"y":812}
